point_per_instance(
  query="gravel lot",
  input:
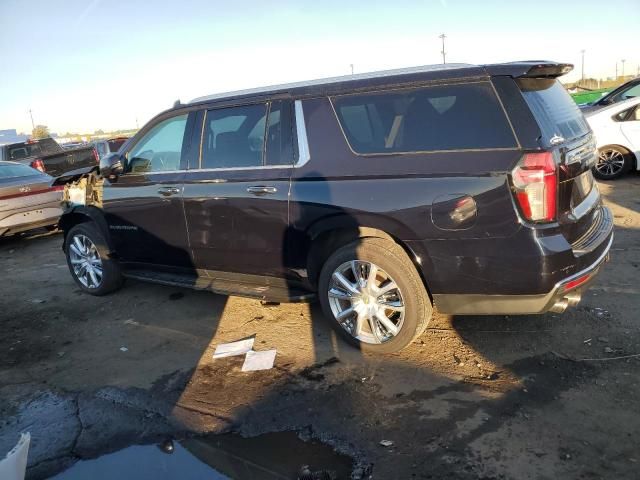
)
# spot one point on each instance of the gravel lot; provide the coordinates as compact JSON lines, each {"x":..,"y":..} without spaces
{"x":474,"y":397}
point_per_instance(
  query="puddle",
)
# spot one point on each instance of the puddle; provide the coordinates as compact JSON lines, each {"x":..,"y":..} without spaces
{"x":272,"y":456}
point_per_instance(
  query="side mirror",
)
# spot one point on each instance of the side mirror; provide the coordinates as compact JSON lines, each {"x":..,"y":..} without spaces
{"x":111,"y":166}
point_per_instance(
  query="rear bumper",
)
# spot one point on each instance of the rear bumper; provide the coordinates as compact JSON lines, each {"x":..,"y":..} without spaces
{"x":565,"y":293}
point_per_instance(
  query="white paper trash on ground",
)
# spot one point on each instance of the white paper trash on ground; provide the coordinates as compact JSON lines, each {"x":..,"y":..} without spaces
{"x":14,"y":465}
{"x":234,"y":348}
{"x":259,"y":360}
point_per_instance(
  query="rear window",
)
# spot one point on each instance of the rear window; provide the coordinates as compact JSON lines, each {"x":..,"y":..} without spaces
{"x":554,"y":110}
{"x":17,"y":170}
{"x":444,"y":117}
{"x":24,"y":150}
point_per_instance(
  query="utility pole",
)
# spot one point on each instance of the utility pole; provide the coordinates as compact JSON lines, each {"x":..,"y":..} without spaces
{"x":33,"y":125}
{"x":582,"y":52}
{"x":444,"y":54}
{"x":351,"y":65}
{"x":623,"y":60}
{"x":616,"y":70}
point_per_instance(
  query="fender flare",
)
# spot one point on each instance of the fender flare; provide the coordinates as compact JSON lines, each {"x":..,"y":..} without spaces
{"x":82,"y":214}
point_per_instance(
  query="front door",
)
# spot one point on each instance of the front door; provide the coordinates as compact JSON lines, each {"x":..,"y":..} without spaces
{"x":143,"y":206}
{"x":236,"y":196}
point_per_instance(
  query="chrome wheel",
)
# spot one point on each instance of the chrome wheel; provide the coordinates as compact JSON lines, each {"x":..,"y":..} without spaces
{"x":85,"y":261}
{"x":366,"y":301}
{"x":610,"y":163}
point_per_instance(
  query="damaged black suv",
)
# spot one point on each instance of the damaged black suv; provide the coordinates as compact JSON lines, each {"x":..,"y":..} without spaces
{"x":463,"y":187}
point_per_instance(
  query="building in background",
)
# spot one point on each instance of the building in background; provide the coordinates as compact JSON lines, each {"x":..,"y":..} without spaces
{"x":12,"y":136}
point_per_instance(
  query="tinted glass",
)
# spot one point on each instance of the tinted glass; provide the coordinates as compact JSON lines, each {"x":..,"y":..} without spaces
{"x":555,"y":111}
{"x":24,"y":150}
{"x":447,"y":117}
{"x":279,"y":134}
{"x":101,"y":148}
{"x":159,"y":150}
{"x":114,"y":145}
{"x":234,"y":137}
{"x":9,"y":171}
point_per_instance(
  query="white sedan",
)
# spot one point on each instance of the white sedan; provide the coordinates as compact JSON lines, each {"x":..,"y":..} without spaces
{"x":617,"y":131}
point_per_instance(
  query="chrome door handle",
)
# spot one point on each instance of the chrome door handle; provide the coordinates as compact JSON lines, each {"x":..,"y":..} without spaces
{"x":262,"y":189}
{"x":168,"y":191}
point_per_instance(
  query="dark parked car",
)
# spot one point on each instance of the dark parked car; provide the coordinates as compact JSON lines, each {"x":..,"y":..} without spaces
{"x":28,"y":199}
{"x":465,"y":187}
{"x":47,"y":156}
{"x":109,"y":145}
{"x":630,"y":89}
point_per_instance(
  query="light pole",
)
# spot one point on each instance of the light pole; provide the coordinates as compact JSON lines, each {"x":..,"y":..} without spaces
{"x":582,"y":52}
{"x":33,"y":125}
{"x":351,"y":65}
{"x":444,"y":54}
{"x":623,"y":60}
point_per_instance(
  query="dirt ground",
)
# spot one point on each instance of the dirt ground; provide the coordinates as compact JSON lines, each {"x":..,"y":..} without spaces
{"x":475,"y":397}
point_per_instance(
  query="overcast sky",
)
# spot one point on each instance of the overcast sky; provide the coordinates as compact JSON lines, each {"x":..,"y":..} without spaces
{"x":84,"y":65}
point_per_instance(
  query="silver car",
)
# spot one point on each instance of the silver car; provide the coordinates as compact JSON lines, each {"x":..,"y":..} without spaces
{"x":28,"y":199}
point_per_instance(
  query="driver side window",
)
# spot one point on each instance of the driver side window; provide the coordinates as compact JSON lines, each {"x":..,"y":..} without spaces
{"x":160,"y":149}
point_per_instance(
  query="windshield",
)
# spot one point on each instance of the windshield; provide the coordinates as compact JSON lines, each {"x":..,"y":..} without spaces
{"x":554,"y":110}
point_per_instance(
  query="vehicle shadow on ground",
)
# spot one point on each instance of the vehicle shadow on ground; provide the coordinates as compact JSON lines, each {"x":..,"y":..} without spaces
{"x":459,"y":401}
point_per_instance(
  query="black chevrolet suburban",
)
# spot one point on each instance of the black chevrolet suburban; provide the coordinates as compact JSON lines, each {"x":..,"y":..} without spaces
{"x":463,"y":187}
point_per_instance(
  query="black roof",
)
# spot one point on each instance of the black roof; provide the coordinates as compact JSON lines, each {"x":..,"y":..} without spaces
{"x":385,"y":78}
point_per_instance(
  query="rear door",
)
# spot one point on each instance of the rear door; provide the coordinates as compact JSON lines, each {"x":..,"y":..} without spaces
{"x":143,"y":207}
{"x":567,"y":135}
{"x":236,"y":193}
{"x":630,"y":128}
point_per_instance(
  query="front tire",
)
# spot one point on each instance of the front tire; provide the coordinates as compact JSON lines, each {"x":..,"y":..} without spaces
{"x":373,"y":296}
{"x":613,"y":162}
{"x":89,"y":262}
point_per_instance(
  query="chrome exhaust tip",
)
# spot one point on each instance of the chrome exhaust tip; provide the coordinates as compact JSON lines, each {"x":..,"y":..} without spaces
{"x":560,"y":306}
{"x":573,"y":298}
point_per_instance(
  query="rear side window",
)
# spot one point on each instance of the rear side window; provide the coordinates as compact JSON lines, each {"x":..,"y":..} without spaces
{"x":554,"y":110}
{"x":445,"y":117}
{"x":248,"y":136}
{"x":17,"y":170}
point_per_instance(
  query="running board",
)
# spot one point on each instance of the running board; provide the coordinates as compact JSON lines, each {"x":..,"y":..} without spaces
{"x":225,"y":286}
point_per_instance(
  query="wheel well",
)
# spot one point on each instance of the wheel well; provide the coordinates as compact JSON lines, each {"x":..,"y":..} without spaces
{"x":329,"y":241}
{"x":70,"y":220}
{"x":628,"y":152}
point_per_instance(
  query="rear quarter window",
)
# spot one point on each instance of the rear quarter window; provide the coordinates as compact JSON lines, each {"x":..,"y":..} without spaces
{"x":554,"y":110}
{"x":444,"y":117}
{"x":17,"y":170}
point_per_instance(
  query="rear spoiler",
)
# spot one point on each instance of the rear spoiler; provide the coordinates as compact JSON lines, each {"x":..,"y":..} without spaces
{"x":530,"y":69}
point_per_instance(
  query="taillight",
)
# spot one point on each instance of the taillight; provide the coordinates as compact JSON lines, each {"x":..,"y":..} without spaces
{"x":536,"y":184}
{"x":95,"y":155}
{"x":38,"y":165}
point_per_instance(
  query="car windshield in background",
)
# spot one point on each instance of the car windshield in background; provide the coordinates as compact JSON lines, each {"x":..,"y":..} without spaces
{"x":446,"y":117}
{"x":556,"y":113}
{"x":114,"y":145}
{"x":16,"y":170}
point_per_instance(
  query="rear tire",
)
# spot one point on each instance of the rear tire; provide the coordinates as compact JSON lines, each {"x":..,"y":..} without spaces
{"x":350,"y":286}
{"x":613,"y":162}
{"x":91,"y":267}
